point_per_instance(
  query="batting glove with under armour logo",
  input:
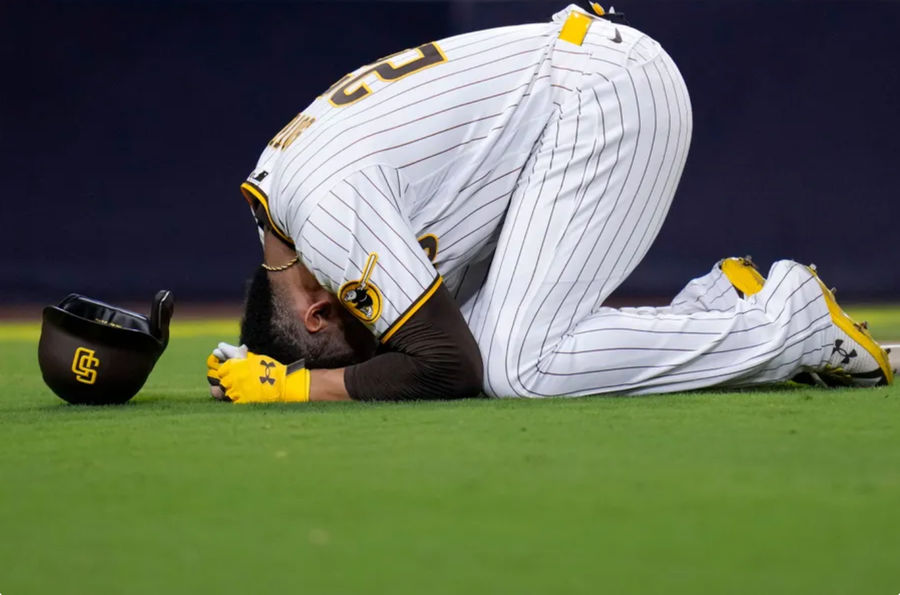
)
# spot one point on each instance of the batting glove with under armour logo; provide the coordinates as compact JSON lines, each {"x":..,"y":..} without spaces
{"x":261,"y":379}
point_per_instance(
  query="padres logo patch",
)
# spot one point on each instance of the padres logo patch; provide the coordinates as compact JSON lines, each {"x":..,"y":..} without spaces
{"x":84,"y":365}
{"x":362,"y":298}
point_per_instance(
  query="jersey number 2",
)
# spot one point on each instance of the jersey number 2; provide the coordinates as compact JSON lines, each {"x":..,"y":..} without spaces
{"x":352,"y":88}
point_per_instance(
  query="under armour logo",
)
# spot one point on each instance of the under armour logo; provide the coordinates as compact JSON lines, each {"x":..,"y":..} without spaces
{"x":267,"y":367}
{"x":846,"y":355}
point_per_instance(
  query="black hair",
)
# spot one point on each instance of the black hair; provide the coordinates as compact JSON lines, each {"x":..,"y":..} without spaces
{"x":258,"y":331}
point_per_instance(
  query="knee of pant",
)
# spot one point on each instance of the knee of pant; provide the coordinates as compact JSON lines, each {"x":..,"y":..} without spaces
{"x":505,"y":381}
{"x":512,"y":367}
{"x":496,"y":381}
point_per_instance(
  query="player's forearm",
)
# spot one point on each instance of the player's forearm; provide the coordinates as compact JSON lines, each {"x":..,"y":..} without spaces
{"x":327,"y":385}
{"x":445,"y":373}
{"x":399,"y":377}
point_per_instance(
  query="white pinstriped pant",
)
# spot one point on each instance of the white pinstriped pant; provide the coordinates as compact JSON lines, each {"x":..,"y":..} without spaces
{"x":587,"y":206}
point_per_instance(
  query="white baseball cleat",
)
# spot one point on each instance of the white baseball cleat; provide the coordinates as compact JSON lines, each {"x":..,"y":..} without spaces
{"x":856,"y":359}
{"x":893,"y":352}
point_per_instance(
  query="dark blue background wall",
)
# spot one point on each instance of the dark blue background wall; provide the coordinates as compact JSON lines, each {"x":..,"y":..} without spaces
{"x":126,"y":129}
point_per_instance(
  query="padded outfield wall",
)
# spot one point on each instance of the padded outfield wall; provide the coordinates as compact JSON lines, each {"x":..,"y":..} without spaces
{"x":126,"y":128}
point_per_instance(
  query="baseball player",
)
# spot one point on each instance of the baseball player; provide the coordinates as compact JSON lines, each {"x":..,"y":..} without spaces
{"x":450,"y":219}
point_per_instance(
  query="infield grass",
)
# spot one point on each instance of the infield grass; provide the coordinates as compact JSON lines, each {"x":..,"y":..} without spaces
{"x":791,"y":490}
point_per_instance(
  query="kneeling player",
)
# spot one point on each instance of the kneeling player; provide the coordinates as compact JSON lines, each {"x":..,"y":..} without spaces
{"x":450,"y":220}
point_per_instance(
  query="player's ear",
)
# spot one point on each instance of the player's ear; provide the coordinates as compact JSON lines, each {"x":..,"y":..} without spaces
{"x":319,"y":315}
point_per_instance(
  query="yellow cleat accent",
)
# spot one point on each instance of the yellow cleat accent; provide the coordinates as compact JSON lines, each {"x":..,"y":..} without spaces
{"x":743,"y":275}
{"x":857,"y":332}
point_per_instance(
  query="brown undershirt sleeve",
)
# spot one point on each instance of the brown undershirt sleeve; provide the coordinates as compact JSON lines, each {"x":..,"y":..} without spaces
{"x":432,"y":356}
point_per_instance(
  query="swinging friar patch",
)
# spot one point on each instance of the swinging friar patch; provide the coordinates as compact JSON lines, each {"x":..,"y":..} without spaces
{"x":361,"y":297}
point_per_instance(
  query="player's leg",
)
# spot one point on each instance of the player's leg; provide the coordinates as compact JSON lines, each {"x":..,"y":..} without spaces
{"x":764,"y":338}
{"x":717,"y":291}
{"x":586,"y":210}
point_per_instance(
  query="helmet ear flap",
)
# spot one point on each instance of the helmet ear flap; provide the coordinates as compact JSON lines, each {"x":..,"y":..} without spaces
{"x":161,"y":315}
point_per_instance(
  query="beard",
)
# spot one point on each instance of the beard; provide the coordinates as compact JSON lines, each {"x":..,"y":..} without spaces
{"x":270,"y":327}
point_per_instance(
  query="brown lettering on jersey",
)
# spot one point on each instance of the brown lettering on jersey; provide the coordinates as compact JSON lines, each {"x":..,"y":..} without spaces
{"x":289,"y":133}
{"x":351,"y":89}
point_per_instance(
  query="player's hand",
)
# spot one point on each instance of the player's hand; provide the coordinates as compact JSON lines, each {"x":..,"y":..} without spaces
{"x":261,"y":379}
{"x":220,"y":355}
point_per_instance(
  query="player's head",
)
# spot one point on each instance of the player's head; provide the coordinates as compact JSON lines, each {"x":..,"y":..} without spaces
{"x":289,"y":320}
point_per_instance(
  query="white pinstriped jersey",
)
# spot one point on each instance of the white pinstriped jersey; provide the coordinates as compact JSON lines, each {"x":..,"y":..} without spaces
{"x":374,"y":163}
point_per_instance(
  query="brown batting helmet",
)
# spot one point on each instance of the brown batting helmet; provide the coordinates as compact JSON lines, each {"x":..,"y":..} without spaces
{"x":93,"y":353}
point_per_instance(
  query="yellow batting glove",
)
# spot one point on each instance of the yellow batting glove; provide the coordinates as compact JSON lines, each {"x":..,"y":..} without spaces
{"x":220,"y":354}
{"x":212,"y":369}
{"x":212,"y":377}
{"x":261,"y":379}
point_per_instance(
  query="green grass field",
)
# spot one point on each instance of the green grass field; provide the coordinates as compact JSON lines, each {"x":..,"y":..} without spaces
{"x":786,"y":491}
